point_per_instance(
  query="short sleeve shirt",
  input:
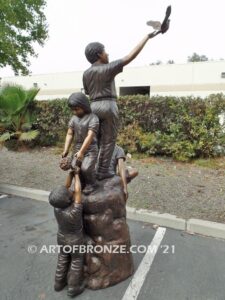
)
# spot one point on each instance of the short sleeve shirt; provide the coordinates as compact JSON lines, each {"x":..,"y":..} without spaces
{"x":99,"y":81}
{"x":70,"y":219}
{"x":117,"y":154}
{"x":80,"y":127}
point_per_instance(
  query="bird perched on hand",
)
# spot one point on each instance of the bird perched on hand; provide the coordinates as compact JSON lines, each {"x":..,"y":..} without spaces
{"x":164,"y":26}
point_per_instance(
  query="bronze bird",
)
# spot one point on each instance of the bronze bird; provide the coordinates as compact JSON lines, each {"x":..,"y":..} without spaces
{"x":164,"y":26}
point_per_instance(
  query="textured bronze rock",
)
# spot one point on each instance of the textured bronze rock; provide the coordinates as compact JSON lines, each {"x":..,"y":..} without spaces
{"x":105,"y":224}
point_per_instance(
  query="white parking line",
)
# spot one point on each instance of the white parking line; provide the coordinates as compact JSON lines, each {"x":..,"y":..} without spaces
{"x":139,"y":277}
{"x":3,"y":196}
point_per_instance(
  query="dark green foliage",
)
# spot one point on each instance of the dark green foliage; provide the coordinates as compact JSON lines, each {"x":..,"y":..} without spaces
{"x":22,"y":22}
{"x":181,"y":127}
{"x":52,"y":120}
{"x":17,"y":115}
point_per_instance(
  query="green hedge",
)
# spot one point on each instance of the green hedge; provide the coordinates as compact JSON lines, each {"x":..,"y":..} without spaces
{"x":52,"y":119}
{"x":181,"y":127}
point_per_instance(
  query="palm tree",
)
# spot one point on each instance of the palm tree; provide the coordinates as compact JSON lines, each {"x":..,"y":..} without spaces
{"x":16,"y":116}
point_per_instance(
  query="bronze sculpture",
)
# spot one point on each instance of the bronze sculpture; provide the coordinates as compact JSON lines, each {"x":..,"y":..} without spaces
{"x":105,"y":226}
{"x":68,"y":213}
{"x":164,"y":26}
{"x":99,"y":84}
{"x":98,"y":215}
{"x":118,"y":167}
{"x":83,"y":126}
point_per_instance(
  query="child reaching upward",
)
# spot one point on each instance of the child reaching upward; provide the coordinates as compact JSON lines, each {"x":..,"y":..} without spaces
{"x":68,"y":213}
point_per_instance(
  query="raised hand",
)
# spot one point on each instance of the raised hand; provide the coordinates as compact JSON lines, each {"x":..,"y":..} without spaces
{"x":153,"y":34}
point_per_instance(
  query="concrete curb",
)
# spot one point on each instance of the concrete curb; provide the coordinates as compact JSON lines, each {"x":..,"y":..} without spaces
{"x":155,"y":217}
{"x":24,"y":192}
{"x":207,"y":228}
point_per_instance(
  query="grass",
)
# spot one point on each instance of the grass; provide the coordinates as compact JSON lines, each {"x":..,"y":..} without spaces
{"x":58,"y":149}
{"x":212,"y":163}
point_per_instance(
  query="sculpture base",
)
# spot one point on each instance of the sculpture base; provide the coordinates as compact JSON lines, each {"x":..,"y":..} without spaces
{"x":107,"y":231}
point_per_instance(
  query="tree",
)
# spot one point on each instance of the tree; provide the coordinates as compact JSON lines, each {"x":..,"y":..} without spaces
{"x":196,"y":57}
{"x":170,"y":62}
{"x":22,"y":23}
{"x":158,"y":62}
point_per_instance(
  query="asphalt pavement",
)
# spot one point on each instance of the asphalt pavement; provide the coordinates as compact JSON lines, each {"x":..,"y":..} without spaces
{"x":181,"y":267}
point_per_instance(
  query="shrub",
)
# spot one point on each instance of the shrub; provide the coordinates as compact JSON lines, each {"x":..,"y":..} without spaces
{"x":181,"y":127}
{"x":52,"y":119}
{"x":16,"y":115}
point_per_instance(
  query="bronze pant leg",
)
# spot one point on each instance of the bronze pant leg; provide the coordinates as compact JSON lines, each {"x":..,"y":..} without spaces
{"x":75,"y":277}
{"x":107,"y":111}
{"x":62,"y":266}
{"x":88,"y":170}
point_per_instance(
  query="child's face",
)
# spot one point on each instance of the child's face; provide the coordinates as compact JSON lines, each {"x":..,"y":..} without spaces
{"x":104,"y":57}
{"x":78,"y":111}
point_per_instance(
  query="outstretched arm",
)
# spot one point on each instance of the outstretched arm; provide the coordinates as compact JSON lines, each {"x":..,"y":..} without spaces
{"x":69,"y":179}
{"x":77,"y":189}
{"x":131,"y":56}
{"x":122,"y":173}
{"x":68,"y":142}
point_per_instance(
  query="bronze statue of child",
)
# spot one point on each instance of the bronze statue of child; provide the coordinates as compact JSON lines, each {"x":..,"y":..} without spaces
{"x":68,"y":213}
{"x":118,"y":167}
{"x":99,"y":84}
{"x":83,"y":126}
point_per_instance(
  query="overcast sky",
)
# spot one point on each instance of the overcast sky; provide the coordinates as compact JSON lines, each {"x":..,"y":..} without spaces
{"x":196,"y":26}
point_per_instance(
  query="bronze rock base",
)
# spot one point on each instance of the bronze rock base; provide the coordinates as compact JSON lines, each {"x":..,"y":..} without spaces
{"x":105,"y":225}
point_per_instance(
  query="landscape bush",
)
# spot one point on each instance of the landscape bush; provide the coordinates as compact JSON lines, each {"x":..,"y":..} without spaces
{"x":181,"y":127}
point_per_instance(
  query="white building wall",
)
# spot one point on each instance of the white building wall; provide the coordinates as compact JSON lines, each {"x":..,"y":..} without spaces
{"x":198,"y":79}
{"x":51,"y":86}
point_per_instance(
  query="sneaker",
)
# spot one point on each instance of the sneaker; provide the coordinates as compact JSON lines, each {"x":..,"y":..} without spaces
{"x":101,"y":176}
{"x":59,"y":286}
{"x":74,"y":291}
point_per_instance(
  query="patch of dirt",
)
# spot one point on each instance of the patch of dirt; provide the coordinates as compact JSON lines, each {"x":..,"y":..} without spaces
{"x":183,"y":189}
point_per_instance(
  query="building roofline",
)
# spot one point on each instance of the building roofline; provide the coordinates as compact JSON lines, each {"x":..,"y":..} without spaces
{"x":130,"y":67}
